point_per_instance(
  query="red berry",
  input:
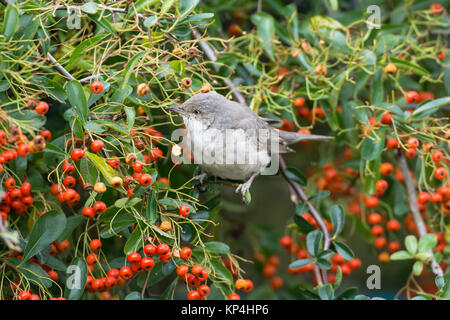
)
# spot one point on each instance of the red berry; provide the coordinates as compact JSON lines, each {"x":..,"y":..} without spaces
{"x":77,"y":154}
{"x":41,"y":107}
{"x":412,"y":96}
{"x":186,"y":253}
{"x":147,"y":263}
{"x":371,"y":202}
{"x":125,"y":273}
{"x":97,"y":87}
{"x":413,"y":143}
{"x":185,"y":210}
{"x":381,"y":186}
{"x":145,"y":179}
{"x":437,"y":156}
{"x":134,"y":257}
{"x":97,"y":145}
{"x":95,"y":244}
{"x":162,"y":248}
{"x":193,"y":295}
{"x":149,"y":249}
{"x":99,"y":207}
{"x":393,"y":225}
{"x":440,"y":173}
{"x":88,"y":212}
{"x":182,"y":270}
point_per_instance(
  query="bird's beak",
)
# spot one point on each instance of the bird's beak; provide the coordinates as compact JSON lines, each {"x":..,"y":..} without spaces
{"x":175,"y":108}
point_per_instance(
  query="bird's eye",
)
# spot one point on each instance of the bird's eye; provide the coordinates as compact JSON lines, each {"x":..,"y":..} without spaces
{"x":196,"y":111}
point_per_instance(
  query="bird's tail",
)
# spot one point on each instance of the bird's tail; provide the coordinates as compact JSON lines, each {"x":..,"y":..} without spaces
{"x":294,"y":137}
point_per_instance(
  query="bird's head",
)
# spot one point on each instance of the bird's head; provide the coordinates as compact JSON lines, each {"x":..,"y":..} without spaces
{"x":203,"y":107}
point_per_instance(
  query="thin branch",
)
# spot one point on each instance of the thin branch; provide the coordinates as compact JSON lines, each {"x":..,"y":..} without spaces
{"x":60,"y":68}
{"x":145,"y":285}
{"x":300,"y":193}
{"x":209,"y":52}
{"x":413,"y":205}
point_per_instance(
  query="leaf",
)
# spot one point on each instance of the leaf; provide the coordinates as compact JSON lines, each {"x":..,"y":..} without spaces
{"x":429,"y":107}
{"x":304,"y":226}
{"x":71,"y":224}
{"x":371,"y":149}
{"x":102,"y":22}
{"x":10,"y":22}
{"x":134,"y":242}
{"x":347,"y":293}
{"x":170,"y":290}
{"x":130,"y":68}
{"x":427,"y":242}
{"x":135,"y":295}
{"x":411,"y":244}
{"x":319,"y":196}
{"x":323,"y":264}
{"x":167,"y":5}
{"x":326,"y":292}
{"x":186,"y":6}
{"x":295,"y":175}
{"x":343,"y":250}
{"x":333,"y":4}
{"x":266,"y":31}
{"x":160,"y":271}
{"x":377,"y":92}
{"x":101,"y":165}
{"x":300,"y":263}
{"x":221,"y":271}
{"x":217,"y":247}
{"x":77,"y":99}
{"x":46,"y":230}
{"x":131,"y":115}
{"x":78,"y":271}
{"x":150,"y":21}
{"x":313,"y":241}
{"x":408,"y":65}
{"x":337,"y":219}
{"x":33,"y":272}
{"x":151,"y":209}
{"x":401,"y":255}
{"x":417,"y":268}
{"x":90,"y":8}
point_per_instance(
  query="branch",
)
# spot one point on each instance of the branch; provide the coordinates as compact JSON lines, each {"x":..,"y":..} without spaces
{"x":300,"y":193}
{"x":60,"y":68}
{"x":412,"y":197}
{"x":209,"y":52}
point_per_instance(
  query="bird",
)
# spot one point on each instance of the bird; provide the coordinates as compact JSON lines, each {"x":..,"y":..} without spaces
{"x":219,"y":129}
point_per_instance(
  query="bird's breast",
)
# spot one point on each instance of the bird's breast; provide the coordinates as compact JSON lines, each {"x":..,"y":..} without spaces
{"x":225,"y":153}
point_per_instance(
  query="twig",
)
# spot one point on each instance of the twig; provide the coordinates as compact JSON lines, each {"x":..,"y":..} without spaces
{"x":412,"y":197}
{"x":60,"y":68}
{"x":300,"y":193}
{"x":145,"y":285}
{"x":209,"y":52}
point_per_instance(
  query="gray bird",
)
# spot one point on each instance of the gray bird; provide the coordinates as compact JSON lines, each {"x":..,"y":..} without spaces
{"x":209,"y":116}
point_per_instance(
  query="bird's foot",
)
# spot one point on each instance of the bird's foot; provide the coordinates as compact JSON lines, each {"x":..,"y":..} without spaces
{"x":201,"y":177}
{"x":243,"y":189}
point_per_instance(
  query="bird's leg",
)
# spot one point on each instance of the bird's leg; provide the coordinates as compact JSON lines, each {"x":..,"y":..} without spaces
{"x":201,"y":177}
{"x":244,"y":187}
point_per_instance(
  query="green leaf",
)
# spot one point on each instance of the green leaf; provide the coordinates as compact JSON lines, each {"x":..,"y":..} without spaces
{"x":403,"y":64}
{"x":130,"y":68}
{"x":343,"y":250}
{"x":71,"y":224}
{"x":134,"y":242}
{"x":135,"y":295}
{"x":300,"y":263}
{"x":323,"y":264}
{"x":266,"y":31}
{"x":333,"y":4}
{"x":186,"y":6}
{"x":131,"y":116}
{"x":417,"y":268}
{"x":160,"y":271}
{"x":102,"y":22}
{"x":313,"y":242}
{"x":337,"y":219}
{"x":217,"y":247}
{"x":427,"y":242}
{"x":319,"y":196}
{"x":151,"y":211}
{"x":401,"y":255}
{"x":326,"y":292}
{"x":220,"y":271}
{"x":167,"y":5}
{"x":371,"y":149}
{"x":75,"y":290}
{"x":46,"y":230}
{"x":304,"y":226}
{"x":101,"y":165}
{"x":377,"y":92}
{"x":170,"y":290}
{"x":90,"y":8}
{"x":429,"y":107}
{"x":33,"y":272}
{"x":10,"y":21}
{"x":411,"y":244}
{"x":77,"y":99}
{"x":150,"y":21}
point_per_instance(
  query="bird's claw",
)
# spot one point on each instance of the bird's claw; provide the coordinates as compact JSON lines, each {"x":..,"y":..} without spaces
{"x":243,"y":189}
{"x":201,"y":177}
